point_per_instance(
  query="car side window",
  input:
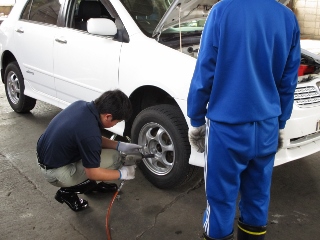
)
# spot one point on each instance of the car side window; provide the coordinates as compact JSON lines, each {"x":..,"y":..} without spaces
{"x":26,"y":11}
{"x":83,"y":10}
{"x":44,"y":11}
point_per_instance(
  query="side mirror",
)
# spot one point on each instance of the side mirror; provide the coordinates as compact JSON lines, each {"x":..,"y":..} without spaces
{"x":101,"y":26}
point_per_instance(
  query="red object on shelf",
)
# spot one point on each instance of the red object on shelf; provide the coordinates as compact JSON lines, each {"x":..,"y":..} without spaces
{"x":305,"y":69}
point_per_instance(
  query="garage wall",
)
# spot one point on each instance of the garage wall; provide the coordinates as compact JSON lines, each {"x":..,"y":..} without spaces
{"x":5,"y":6}
{"x":5,"y":9}
{"x":308,"y":15}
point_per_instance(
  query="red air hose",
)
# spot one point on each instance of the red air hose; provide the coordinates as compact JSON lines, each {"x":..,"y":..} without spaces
{"x":109,"y":210}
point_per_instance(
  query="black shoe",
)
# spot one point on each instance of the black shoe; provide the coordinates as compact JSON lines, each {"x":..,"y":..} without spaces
{"x":80,"y":188}
{"x":71,"y":199}
{"x":248,"y":232}
{"x":229,"y":237}
{"x":103,"y":188}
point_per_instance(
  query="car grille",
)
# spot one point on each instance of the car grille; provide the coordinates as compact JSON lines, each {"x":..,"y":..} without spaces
{"x":306,"y":96}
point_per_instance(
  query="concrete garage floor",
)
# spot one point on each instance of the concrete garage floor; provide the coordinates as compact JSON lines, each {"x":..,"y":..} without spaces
{"x":143,"y":212}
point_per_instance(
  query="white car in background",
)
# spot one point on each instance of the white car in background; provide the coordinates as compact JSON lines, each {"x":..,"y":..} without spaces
{"x":60,"y":51}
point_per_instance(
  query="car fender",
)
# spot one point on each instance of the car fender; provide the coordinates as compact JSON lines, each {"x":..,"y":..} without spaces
{"x":155,"y":65}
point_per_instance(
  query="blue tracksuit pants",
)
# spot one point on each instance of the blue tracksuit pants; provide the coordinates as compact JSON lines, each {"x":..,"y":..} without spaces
{"x":239,"y":158}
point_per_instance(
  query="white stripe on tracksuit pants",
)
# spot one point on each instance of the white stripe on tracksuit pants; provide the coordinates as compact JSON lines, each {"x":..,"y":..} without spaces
{"x":238,"y":158}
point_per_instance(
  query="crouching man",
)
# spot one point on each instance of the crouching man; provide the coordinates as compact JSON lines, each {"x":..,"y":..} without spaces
{"x":73,"y":155}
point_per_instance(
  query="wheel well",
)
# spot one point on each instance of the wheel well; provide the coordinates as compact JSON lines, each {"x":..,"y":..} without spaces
{"x":145,"y":97}
{"x":7,"y":57}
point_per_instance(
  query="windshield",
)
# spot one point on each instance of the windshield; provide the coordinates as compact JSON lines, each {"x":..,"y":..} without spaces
{"x":148,"y":13}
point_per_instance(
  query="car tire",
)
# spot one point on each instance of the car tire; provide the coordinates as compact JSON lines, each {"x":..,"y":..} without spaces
{"x":14,"y":87}
{"x":163,"y":131}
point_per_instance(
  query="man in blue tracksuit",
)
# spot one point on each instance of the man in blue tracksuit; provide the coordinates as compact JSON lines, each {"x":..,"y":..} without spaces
{"x":243,"y":83}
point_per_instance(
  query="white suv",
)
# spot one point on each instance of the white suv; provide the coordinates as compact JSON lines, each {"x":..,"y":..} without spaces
{"x":59,"y":51}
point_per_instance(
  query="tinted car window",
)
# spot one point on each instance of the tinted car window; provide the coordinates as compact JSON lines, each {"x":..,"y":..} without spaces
{"x":83,"y":10}
{"x":26,"y":11}
{"x":45,"y":11}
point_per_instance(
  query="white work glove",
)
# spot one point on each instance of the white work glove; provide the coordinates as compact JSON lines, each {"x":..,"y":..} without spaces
{"x":128,"y":147}
{"x":280,"y":138}
{"x":197,"y":137}
{"x":127,"y":172}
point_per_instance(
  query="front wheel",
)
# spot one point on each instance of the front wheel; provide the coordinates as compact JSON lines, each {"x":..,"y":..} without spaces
{"x":14,"y":87}
{"x":163,"y":131}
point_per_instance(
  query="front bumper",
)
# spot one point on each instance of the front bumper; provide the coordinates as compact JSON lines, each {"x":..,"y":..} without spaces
{"x":301,"y":137}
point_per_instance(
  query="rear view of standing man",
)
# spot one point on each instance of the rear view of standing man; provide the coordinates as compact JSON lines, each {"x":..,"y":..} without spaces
{"x":243,"y":83}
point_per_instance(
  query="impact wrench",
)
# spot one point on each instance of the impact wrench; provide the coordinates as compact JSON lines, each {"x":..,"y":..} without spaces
{"x":127,"y":160}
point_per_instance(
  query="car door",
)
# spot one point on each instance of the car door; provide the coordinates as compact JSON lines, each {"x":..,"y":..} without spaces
{"x":85,"y":65}
{"x":33,"y":40}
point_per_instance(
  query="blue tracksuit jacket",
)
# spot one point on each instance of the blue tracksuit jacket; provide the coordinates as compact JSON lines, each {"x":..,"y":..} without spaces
{"x":247,"y":65}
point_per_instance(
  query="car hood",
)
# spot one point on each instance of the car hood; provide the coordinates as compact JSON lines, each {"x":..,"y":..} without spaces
{"x":187,"y":10}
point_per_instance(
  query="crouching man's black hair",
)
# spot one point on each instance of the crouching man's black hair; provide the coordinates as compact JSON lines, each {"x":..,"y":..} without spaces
{"x":114,"y":102}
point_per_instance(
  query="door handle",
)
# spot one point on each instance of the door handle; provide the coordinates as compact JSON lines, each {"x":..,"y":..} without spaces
{"x":19,"y":30}
{"x":61,"y":40}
